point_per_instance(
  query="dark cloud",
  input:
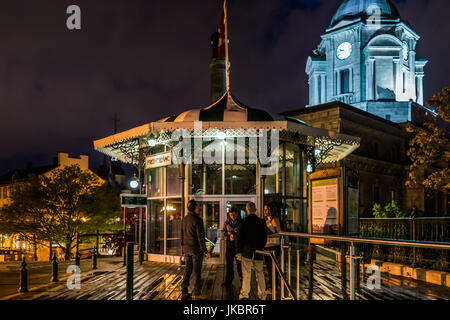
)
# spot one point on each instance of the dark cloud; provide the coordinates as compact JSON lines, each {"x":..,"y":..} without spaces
{"x":143,"y":59}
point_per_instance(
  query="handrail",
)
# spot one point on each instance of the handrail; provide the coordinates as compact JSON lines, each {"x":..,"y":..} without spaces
{"x":277,"y":266}
{"x":406,"y":219}
{"x":402,"y":243}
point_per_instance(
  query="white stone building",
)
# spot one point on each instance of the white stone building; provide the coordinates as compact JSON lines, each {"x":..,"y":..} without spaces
{"x":367,"y":59}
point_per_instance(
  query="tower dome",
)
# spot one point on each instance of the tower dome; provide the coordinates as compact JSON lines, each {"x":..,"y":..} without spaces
{"x":353,"y":9}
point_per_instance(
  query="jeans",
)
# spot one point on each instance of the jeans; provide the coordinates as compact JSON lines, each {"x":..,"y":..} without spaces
{"x":247,"y":266}
{"x":193,"y":264}
{"x":231,"y":257}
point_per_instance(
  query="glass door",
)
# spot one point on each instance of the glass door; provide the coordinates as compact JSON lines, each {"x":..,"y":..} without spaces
{"x":210,"y":213}
{"x":214,"y":212}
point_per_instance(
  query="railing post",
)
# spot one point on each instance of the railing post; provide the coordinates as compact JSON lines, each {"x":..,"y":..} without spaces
{"x":358,"y":273}
{"x":414,"y":239}
{"x":289,"y":265}
{"x":97,"y":242}
{"x":94,"y":258}
{"x":55,"y":269}
{"x":282,"y":267}
{"x":311,"y":270}
{"x":77,"y":252}
{"x":352,"y":271}
{"x":344,"y":271}
{"x":23,"y":277}
{"x":141,"y":251}
{"x":274,"y":278}
{"x":130,"y":271}
{"x":298,"y":274}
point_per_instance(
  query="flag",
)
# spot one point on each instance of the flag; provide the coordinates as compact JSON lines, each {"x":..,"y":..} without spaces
{"x":222,"y":33}
{"x":223,"y":43}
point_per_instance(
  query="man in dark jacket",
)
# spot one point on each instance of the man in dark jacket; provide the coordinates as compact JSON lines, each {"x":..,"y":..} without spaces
{"x":194,"y":247}
{"x":252,"y":236}
{"x":229,"y":232}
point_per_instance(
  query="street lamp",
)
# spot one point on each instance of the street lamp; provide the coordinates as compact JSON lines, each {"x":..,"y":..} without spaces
{"x":152,"y":142}
{"x":134,"y":183}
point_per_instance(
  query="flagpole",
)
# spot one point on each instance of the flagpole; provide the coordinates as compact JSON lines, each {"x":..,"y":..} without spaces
{"x":227,"y":59}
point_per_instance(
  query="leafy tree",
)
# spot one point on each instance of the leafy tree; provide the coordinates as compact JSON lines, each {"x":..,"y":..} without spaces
{"x":52,"y":208}
{"x":430,"y":147}
{"x":392,"y":210}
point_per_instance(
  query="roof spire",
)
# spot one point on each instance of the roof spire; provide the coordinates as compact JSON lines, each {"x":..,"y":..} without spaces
{"x":223,"y":43}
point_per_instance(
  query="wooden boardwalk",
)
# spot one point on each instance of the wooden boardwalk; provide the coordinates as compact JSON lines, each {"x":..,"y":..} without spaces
{"x":161,"y":281}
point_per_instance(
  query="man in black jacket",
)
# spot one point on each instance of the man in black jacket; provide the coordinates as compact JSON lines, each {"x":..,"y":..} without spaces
{"x":252,"y":236}
{"x":194,"y":247}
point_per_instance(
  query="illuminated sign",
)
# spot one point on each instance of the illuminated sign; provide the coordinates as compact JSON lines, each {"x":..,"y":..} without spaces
{"x":159,"y":160}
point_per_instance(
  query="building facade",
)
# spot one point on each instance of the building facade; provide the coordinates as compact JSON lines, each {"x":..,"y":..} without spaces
{"x":366,"y":80}
{"x":367,"y":58}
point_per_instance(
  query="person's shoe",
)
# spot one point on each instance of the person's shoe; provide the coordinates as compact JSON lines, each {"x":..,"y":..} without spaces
{"x":186,"y":296}
{"x":199,"y":297}
{"x":243,"y":298}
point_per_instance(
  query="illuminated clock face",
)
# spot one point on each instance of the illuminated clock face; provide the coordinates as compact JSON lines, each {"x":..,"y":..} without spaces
{"x":405,"y":51}
{"x":344,"y":50}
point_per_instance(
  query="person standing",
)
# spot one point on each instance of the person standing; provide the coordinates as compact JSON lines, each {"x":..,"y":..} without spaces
{"x":194,"y":248}
{"x":229,"y":232}
{"x":252,"y":236}
{"x":273,"y":238}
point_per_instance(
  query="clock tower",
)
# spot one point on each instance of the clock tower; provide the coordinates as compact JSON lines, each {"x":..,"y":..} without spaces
{"x":367,"y":59}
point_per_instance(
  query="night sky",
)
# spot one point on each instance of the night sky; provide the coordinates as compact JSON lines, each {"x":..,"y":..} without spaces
{"x":147,"y":59}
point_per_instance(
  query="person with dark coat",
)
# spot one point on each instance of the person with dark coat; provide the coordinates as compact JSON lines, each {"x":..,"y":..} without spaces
{"x":229,"y":232}
{"x":194,"y":248}
{"x":252,"y":236}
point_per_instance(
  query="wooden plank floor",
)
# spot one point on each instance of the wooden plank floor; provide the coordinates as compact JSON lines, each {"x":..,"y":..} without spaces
{"x":161,"y":281}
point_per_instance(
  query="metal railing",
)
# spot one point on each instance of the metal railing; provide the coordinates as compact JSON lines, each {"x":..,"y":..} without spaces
{"x":421,"y":228}
{"x":276,"y":268}
{"x":353,"y":258}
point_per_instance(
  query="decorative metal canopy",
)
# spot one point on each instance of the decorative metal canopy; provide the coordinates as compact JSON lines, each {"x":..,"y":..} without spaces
{"x":326,"y":146}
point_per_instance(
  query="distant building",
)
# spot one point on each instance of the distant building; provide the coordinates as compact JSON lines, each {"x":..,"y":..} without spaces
{"x":367,"y":59}
{"x":13,"y":243}
{"x":366,"y":81}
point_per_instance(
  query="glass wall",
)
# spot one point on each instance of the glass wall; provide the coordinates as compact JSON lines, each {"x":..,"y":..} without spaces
{"x":273,"y":184}
{"x":173,"y":181}
{"x":206,"y":179}
{"x":173,"y":232}
{"x":293,"y":172}
{"x":155,"y":182}
{"x":240,"y":179}
{"x":286,"y":189}
{"x":165,"y":210}
{"x":156,"y":228}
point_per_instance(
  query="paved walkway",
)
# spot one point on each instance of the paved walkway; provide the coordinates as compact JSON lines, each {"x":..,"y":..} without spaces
{"x":161,"y":281}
